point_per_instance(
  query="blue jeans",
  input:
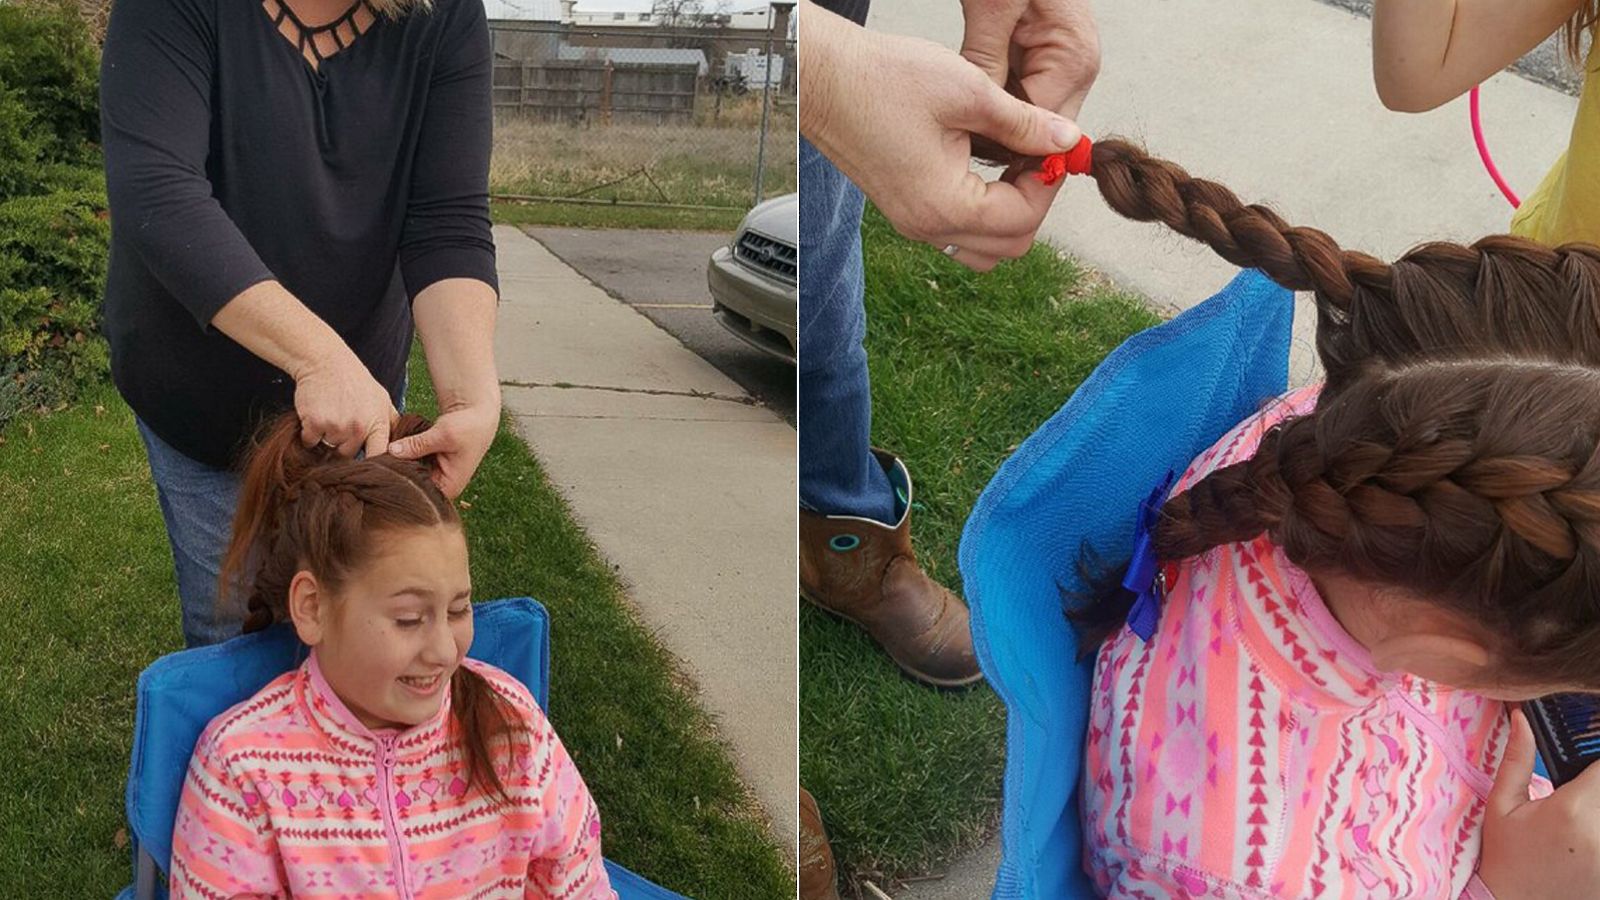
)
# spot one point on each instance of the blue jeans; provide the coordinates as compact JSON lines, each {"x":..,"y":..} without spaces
{"x":838,"y":474}
{"x":197,"y":503}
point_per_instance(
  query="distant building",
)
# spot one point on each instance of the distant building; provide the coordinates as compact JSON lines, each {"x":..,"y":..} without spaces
{"x":753,"y":19}
{"x":640,"y":56}
{"x":525,"y":10}
{"x":750,"y":68}
{"x":723,"y":44}
{"x":527,"y":30}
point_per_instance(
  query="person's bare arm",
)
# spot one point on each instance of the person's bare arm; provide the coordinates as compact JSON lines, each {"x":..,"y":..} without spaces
{"x":455,"y":320}
{"x":1426,"y":53}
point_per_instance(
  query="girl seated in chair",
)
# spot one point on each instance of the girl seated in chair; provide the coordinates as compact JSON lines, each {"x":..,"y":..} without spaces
{"x":387,"y":764}
{"x":1357,"y":582}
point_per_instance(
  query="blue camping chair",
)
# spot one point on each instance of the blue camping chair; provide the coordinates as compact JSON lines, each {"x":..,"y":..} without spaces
{"x":1154,"y":404}
{"x":181,"y":692}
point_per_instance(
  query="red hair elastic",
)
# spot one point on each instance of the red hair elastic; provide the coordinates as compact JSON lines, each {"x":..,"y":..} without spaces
{"x":1073,"y":162}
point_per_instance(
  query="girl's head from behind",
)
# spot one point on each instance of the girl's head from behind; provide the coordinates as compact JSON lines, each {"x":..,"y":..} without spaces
{"x":1448,"y":511}
{"x":1445,"y":491}
{"x":367,"y":560}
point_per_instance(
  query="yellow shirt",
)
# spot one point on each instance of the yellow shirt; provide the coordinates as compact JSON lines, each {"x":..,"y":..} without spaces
{"x":1566,"y":204}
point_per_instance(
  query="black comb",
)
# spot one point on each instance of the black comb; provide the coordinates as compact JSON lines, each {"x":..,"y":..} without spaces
{"x":1566,"y":728}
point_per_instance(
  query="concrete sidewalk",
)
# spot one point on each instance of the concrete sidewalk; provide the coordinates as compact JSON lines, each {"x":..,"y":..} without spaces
{"x":682,"y":482}
{"x":1274,"y":99}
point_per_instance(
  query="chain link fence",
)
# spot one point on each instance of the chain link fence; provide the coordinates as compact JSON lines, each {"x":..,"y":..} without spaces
{"x":643,"y":115}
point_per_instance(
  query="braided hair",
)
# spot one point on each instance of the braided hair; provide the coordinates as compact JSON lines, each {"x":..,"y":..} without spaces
{"x":307,"y":508}
{"x":1454,"y":452}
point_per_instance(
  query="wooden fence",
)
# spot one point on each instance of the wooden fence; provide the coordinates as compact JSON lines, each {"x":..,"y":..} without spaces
{"x":596,"y":92}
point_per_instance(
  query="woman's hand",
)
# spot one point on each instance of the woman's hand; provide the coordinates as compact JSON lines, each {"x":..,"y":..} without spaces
{"x":1539,"y":848}
{"x":341,"y":405}
{"x":1051,"y":48}
{"x":455,"y":320}
{"x":339,"y":402}
{"x":459,"y":439}
{"x":896,"y":115}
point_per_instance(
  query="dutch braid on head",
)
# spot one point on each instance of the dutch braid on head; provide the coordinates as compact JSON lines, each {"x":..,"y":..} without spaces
{"x":308,"y":509}
{"x":1454,"y":452}
{"x":1473,"y":485}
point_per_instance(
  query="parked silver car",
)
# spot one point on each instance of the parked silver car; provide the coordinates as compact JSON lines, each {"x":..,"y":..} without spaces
{"x":753,"y":279}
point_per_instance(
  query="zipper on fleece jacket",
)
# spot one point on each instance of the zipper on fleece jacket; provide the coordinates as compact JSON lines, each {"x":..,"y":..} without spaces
{"x":402,"y":883}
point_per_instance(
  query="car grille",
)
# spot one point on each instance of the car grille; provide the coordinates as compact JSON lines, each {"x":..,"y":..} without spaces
{"x":766,"y":255}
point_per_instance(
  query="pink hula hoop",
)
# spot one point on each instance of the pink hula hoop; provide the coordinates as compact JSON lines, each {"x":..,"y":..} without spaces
{"x":1483,"y":152}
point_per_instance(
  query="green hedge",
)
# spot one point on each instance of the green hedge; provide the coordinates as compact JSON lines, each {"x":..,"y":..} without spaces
{"x":54,"y":235}
{"x":49,"y":59}
{"x":52,"y":275}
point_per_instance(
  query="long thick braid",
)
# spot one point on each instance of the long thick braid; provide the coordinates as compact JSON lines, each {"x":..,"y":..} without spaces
{"x":1502,"y":293}
{"x":1224,"y":507}
{"x":1454,"y":452}
{"x":1147,"y":189}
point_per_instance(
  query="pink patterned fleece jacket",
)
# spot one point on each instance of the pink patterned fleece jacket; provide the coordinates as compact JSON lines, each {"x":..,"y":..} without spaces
{"x":289,"y":795}
{"x":1251,"y":750}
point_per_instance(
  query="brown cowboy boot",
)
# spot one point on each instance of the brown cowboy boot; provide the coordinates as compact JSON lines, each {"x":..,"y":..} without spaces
{"x":866,"y":572}
{"x":818,"y":878}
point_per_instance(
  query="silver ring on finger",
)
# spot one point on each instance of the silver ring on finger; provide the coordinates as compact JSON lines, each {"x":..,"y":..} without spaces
{"x":326,"y":443}
{"x":950,"y":250}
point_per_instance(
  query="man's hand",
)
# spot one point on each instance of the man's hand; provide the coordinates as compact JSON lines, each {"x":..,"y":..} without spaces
{"x":896,"y":116}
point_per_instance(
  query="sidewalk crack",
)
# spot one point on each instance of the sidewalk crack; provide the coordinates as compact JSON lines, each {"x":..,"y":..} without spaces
{"x":653,"y":392}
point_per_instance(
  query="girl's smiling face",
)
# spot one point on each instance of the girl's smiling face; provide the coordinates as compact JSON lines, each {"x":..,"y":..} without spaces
{"x":389,"y":637}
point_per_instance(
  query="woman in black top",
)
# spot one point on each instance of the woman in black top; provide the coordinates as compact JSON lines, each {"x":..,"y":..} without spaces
{"x":293,"y":184}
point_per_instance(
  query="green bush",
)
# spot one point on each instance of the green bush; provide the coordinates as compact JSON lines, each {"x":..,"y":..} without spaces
{"x":21,"y":146}
{"x":49,"y":61}
{"x":54,"y":236}
{"x":52,"y":275}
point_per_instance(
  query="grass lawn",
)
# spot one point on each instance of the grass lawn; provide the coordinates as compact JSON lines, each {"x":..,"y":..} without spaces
{"x":573,"y":215}
{"x":964,"y":367}
{"x":689,"y":164}
{"x":703,"y":164}
{"x":87,"y":588}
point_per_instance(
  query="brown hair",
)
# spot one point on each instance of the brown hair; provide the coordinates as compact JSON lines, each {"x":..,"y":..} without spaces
{"x":310,"y":509}
{"x":1454,"y":452}
{"x":399,"y":9}
{"x":1572,"y":32}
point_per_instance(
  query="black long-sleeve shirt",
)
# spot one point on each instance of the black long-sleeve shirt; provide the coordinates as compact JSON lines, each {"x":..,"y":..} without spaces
{"x":854,"y":10}
{"x":231,"y":161}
